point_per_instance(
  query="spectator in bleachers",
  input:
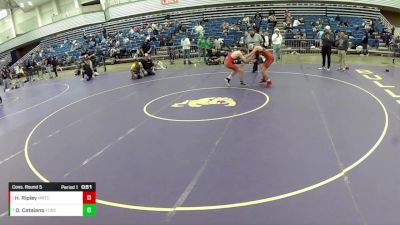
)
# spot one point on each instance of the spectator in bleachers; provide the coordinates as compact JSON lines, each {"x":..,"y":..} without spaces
{"x":185,"y":43}
{"x":258,"y":16}
{"x":371,"y":30}
{"x":288,"y":23}
{"x":67,"y":58}
{"x":104,"y":31}
{"x":327,"y":40}
{"x":126,"y":40}
{"x":342,"y":44}
{"x":272,"y":19}
{"x":298,"y":35}
{"x":225,"y":28}
{"x":199,"y":29}
{"x":271,"y":12}
{"x":149,"y":30}
{"x":296,"y":23}
{"x":364,"y":43}
{"x":316,"y":26}
{"x":337,"y":18}
{"x":287,"y":14}
{"x":148,"y":65}
{"x":386,"y":36}
{"x":133,"y":30}
{"x":246,"y":20}
{"x":253,"y":39}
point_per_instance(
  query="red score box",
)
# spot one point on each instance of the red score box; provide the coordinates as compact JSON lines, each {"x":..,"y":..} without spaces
{"x":89,"y":197}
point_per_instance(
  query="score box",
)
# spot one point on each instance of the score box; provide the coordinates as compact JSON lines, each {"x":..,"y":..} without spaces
{"x":51,"y":199}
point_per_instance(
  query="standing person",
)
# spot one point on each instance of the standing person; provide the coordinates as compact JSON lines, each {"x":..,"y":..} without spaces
{"x":365,"y":45}
{"x":55,"y":64}
{"x":171,"y":50}
{"x":201,"y":44}
{"x":185,"y":42}
{"x":5,"y":74}
{"x":229,"y":63}
{"x":276,"y":44}
{"x":327,"y":41}
{"x":251,"y":40}
{"x":146,"y":48}
{"x":342,"y":45}
{"x":95,"y":62}
{"x":269,"y":59}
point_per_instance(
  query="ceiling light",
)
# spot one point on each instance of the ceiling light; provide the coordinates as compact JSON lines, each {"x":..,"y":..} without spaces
{"x":21,"y":5}
{"x":30,"y":3}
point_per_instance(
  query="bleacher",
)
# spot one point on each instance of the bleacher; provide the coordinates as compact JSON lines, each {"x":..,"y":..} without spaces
{"x":215,"y":16}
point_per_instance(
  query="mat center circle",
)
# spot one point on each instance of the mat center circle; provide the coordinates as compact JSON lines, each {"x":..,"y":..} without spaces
{"x":206,"y":104}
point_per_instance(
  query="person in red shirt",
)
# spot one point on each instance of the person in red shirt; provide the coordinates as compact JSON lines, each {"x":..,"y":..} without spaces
{"x":269,"y":59}
{"x":230,"y":64}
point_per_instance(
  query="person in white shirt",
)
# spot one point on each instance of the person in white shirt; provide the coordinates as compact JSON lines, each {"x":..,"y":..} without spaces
{"x":185,"y":42}
{"x":296,"y":23}
{"x":276,"y":44}
{"x":199,"y":30}
{"x":266,"y":39}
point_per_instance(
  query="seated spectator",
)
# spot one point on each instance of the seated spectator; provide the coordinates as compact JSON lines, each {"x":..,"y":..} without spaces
{"x":148,"y":65}
{"x":296,"y":23}
{"x":258,"y":16}
{"x":271,"y":12}
{"x":301,"y":20}
{"x":287,"y":13}
{"x":337,"y":18}
{"x":137,"y":70}
{"x":237,"y":28}
{"x":288,"y":17}
{"x":126,"y":40}
{"x":272,"y":19}
{"x":133,"y":30}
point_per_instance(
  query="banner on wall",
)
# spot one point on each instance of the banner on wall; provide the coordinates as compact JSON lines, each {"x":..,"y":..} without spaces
{"x":166,"y":2}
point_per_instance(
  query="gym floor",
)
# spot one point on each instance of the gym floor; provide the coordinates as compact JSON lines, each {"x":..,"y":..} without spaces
{"x":180,"y":147}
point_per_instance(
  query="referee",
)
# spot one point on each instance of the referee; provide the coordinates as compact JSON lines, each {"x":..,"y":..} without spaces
{"x":252,"y":40}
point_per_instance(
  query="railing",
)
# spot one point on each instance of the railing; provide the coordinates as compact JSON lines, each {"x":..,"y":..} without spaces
{"x":385,"y":22}
{"x":6,"y":60}
{"x":25,"y":57}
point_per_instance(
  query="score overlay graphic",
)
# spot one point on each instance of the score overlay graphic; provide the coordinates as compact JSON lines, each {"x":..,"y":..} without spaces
{"x":52,"y":199}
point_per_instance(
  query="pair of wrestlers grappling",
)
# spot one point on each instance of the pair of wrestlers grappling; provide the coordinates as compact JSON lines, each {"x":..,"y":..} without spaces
{"x":253,"y":56}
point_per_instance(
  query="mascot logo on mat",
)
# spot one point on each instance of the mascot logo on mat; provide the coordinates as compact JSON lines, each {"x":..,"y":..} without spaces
{"x":206,"y":101}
